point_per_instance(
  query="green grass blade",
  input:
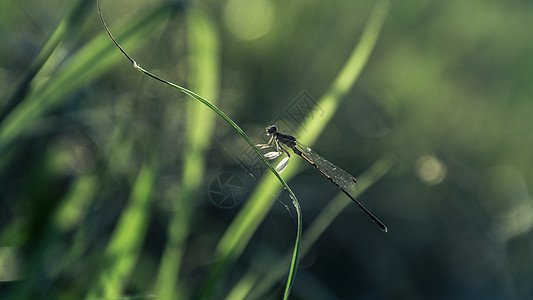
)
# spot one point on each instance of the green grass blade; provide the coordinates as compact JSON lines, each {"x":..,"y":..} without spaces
{"x":227,"y":259}
{"x":95,"y":58}
{"x":214,"y":276}
{"x":295,"y":252}
{"x":218,"y":270}
{"x":123,"y":249}
{"x":204,"y":68}
{"x":70,"y":213}
{"x":330,"y":101}
{"x":71,"y":20}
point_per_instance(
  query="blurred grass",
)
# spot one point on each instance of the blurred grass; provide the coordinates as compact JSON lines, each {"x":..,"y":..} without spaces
{"x":93,"y":59}
{"x":84,"y":139}
{"x":124,"y":248}
{"x":71,"y":20}
{"x":204,"y":72}
{"x":45,"y":86}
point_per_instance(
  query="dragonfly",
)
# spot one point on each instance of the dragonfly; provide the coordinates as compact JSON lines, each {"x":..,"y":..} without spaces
{"x":340,"y":178}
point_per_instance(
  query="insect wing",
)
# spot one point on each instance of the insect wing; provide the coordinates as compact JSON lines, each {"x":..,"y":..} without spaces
{"x":341,"y":177}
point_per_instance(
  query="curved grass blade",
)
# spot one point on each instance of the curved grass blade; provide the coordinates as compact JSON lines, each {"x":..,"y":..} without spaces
{"x":251,"y":215}
{"x":213,"y":277}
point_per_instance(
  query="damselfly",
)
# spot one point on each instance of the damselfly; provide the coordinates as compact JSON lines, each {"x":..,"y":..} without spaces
{"x":340,"y":178}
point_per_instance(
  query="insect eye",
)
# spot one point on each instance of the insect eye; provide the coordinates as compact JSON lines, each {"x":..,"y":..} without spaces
{"x":272,"y":128}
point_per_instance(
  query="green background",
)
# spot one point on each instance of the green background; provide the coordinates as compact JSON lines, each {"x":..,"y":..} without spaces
{"x":107,"y":177}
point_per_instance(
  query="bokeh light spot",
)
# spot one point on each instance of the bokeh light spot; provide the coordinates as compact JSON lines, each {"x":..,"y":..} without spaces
{"x":430,"y":169}
{"x":249,"y":19}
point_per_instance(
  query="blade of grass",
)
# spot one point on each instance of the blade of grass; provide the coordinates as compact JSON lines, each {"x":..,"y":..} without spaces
{"x":75,"y":16}
{"x":352,"y":69}
{"x":93,"y":59}
{"x":294,"y":264}
{"x":69,"y":213}
{"x":296,"y":251}
{"x":124,"y":247}
{"x":245,"y":224}
{"x":204,"y":69}
{"x":73,"y":210}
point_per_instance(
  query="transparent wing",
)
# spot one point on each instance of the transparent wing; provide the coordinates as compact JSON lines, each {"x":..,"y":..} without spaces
{"x":341,"y":177}
{"x":336,"y":175}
